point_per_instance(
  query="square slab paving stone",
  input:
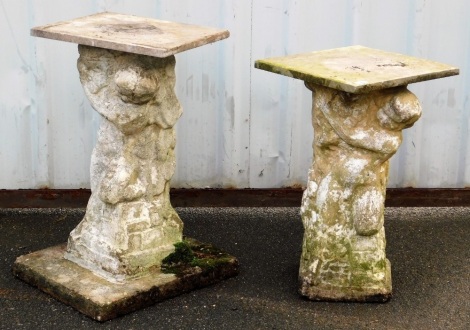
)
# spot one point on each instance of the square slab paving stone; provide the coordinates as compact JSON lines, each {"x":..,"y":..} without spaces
{"x":356,"y":69}
{"x":132,"y":34}
{"x":103,"y":300}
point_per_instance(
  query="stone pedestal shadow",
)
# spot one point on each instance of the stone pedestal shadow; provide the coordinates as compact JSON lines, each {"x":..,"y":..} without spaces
{"x":127,"y":69}
{"x":360,"y":106}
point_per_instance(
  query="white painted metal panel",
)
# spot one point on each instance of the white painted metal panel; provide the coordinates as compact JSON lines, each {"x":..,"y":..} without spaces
{"x":213,"y":87}
{"x":241,"y":127}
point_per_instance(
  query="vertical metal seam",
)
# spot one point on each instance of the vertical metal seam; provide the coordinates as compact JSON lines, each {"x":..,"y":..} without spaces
{"x":250,"y":95}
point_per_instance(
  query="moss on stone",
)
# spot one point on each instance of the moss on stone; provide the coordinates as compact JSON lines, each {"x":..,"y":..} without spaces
{"x":183,"y":254}
{"x":190,"y":256}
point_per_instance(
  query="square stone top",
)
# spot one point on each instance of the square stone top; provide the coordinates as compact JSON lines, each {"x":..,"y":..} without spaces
{"x":357,"y":69}
{"x":131,"y":34}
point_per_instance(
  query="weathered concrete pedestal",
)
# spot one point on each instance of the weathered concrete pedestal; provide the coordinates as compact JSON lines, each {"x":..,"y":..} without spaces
{"x":360,"y":106}
{"x":113,"y":260}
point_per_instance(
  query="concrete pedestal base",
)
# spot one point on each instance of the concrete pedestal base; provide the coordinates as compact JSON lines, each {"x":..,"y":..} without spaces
{"x":379,"y":293}
{"x":103,"y":300}
{"x":113,"y":261}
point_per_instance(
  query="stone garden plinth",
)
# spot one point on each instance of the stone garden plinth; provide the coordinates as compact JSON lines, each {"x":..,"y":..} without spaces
{"x":114,"y":261}
{"x":360,"y":106}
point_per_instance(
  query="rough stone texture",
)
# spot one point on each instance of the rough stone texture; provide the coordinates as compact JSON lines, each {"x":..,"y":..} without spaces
{"x":357,"y":69}
{"x":130,"y":225}
{"x":103,"y":300}
{"x":343,"y":255}
{"x":131,"y":34}
{"x":360,"y":106}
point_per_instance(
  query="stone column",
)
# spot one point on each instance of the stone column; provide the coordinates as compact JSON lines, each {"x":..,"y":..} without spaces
{"x":360,"y":106}
{"x":343,"y":253}
{"x":129,"y":225}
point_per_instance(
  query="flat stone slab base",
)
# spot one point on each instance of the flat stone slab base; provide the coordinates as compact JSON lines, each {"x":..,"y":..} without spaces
{"x":103,"y":300}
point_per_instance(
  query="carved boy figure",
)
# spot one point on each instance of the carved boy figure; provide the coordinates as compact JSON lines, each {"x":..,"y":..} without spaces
{"x":131,"y":165}
{"x":342,"y":210}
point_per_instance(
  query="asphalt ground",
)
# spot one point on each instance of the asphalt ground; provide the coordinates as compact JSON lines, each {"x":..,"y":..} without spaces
{"x":429,"y":249}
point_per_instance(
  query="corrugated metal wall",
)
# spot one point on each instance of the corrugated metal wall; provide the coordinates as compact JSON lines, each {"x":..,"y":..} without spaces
{"x":241,"y":127}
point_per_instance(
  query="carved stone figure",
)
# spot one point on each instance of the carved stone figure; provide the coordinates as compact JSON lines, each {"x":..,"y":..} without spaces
{"x":115,"y":260}
{"x":129,"y":225}
{"x":355,"y":135}
{"x":360,"y":107}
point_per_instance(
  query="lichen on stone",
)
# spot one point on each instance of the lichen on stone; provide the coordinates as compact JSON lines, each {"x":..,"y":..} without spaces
{"x":343,"y":252}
